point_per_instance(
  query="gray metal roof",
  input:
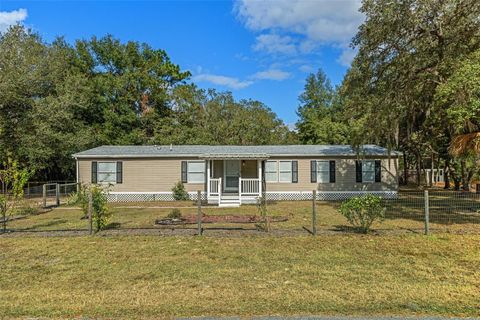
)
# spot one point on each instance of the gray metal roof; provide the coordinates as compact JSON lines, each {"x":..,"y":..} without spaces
{"x":208,"y":151}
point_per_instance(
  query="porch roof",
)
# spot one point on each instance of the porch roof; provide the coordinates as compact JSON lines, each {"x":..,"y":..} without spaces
{"x":240,"y":156}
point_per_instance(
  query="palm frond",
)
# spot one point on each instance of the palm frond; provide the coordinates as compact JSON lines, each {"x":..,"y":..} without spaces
{"x":465,"y":143}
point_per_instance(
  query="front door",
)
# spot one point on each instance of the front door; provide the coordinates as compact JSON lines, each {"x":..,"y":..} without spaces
{"x":231,"y":175}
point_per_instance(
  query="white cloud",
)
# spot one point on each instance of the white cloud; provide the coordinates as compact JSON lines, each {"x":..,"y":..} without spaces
{"x":320,"y":22}
{"x":272,"y":74}
{"x":229,"y":82}
{"x":306,"y":68}
{"x":8,"y":19}
{"x":273,"y":43}
{"x":347,"y":57}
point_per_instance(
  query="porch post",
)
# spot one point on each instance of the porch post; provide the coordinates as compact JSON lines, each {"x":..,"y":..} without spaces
{"x":259,"y":166}
{"x":208,"y":178}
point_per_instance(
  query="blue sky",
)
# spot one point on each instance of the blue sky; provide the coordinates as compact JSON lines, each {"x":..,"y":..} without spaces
{"x":257,"y":49}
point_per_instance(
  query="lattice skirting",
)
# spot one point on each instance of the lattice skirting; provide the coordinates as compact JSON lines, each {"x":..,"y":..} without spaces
{"x":270,"y":195}
{"x":147,"y":196}
{"x":326,"y":195}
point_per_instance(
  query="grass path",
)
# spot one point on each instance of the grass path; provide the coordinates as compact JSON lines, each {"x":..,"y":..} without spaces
{"x":152,"y":277}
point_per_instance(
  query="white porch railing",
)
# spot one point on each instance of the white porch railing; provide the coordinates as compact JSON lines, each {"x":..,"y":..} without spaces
{"x":249,"y":187}
{"x":215,"y":187}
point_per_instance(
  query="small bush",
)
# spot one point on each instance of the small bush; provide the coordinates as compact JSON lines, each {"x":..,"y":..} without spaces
{"x":363,"y":211}
{"x":264,"y":224}
{"x":179,"y":192}
{"x":100,"y":213}
{"x":175,"y":214}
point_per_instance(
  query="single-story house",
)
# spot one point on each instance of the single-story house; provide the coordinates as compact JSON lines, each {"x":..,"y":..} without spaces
{"x":232,"y":175}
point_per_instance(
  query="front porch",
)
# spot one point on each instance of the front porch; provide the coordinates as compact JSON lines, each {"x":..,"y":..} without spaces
{"x":232,"y":182}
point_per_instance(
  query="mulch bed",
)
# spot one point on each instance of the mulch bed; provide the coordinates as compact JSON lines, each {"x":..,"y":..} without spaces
{"x":192,"y":219}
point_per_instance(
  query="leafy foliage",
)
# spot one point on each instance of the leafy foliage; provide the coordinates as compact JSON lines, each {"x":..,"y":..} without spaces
{"x":179,"y":192}
{"x":398,"y":91}
{"x":57,"y":99}
{"x":264,"y":224}
{"x":13,"y":179}
{"x":321,"y":119}
{"x":362,"y":212}
{"x":175,"y":214}
{"x":101,"y":215}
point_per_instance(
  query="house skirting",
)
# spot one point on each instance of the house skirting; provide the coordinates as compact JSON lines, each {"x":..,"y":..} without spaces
{"x":270,"y":195}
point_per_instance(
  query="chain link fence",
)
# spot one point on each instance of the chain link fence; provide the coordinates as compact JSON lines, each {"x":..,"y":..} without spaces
{"x":435,"y":211}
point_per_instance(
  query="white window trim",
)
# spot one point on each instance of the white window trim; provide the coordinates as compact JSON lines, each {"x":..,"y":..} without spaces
{"x":328,"y":170}
{"x":188,"y":171}
{"x":291,"y":171}
{"x":276,"y":172}
{"x":98,"y":172}
{"x":363,"y":171}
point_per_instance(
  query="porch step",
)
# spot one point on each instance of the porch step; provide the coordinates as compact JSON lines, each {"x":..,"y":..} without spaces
{"x":229,"y":205}
{"x":229,"y":201}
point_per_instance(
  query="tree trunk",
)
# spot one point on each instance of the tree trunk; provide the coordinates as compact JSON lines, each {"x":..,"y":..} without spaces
{"x":464,"y":177}
{"x":419,"y":169}
{"x":432,"y":169}
{"x":446,"y":174}
{"x":405,"y":169}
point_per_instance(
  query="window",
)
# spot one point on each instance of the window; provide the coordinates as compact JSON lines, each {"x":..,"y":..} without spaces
{"x":107,"y":172}
{"x":271,"y":171}
{"x":368,"y":171}
{"x":285,"y":174}
{"x":323,"y":171}
{"x":195,"y":171}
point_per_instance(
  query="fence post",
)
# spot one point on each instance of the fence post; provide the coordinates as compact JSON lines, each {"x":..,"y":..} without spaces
{"x":90,"y":209}
{"x":44,"y":195}
{"x":57,"y":194}
{"x":199,"y":212}
{"x":427,"y":213}
{"x":314,"y":212}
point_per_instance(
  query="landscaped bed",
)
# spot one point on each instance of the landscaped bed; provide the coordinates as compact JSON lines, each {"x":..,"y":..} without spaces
{"x":191,"y":219}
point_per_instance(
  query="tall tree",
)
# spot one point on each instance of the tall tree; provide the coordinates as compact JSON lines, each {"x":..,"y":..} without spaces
{"x":320,"y":113}
{"x":405,"y":50}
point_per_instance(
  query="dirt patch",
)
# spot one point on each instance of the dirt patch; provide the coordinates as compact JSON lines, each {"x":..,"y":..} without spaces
{"x":191,"y":219}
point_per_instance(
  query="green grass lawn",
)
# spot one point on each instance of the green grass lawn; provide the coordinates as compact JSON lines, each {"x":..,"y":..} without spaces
{"x":153,"y":277}
{"x":401,"y":218}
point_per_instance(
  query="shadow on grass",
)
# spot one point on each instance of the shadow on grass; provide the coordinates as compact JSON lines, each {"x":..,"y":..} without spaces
{"x":113,"y":225}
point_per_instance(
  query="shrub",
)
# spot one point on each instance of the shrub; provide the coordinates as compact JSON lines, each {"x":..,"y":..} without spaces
{"x":174,"y":214}
{"x":363,"y":211}
{"x":100,"y":213}
{"x":179,"y":192}
{"x":264,"y":224}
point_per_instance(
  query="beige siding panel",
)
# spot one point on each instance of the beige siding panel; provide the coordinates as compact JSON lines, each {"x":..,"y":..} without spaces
{"x":345,"y":177}
{"x":144,"y":175}
{"x":159,"y":175}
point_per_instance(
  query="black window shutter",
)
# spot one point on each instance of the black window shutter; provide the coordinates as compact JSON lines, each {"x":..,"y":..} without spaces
{"x":358,"y":170}
{"x":119,"y":172}
{"x":332,"y":171}
{"x":211,"y":168}
{"x":264,"y":183}
{"x":294,"y":171}
{"x":184,"y":172}
{"x":378,"y":171}
{"x":94,"y":171}
{"x":313,"y":171}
